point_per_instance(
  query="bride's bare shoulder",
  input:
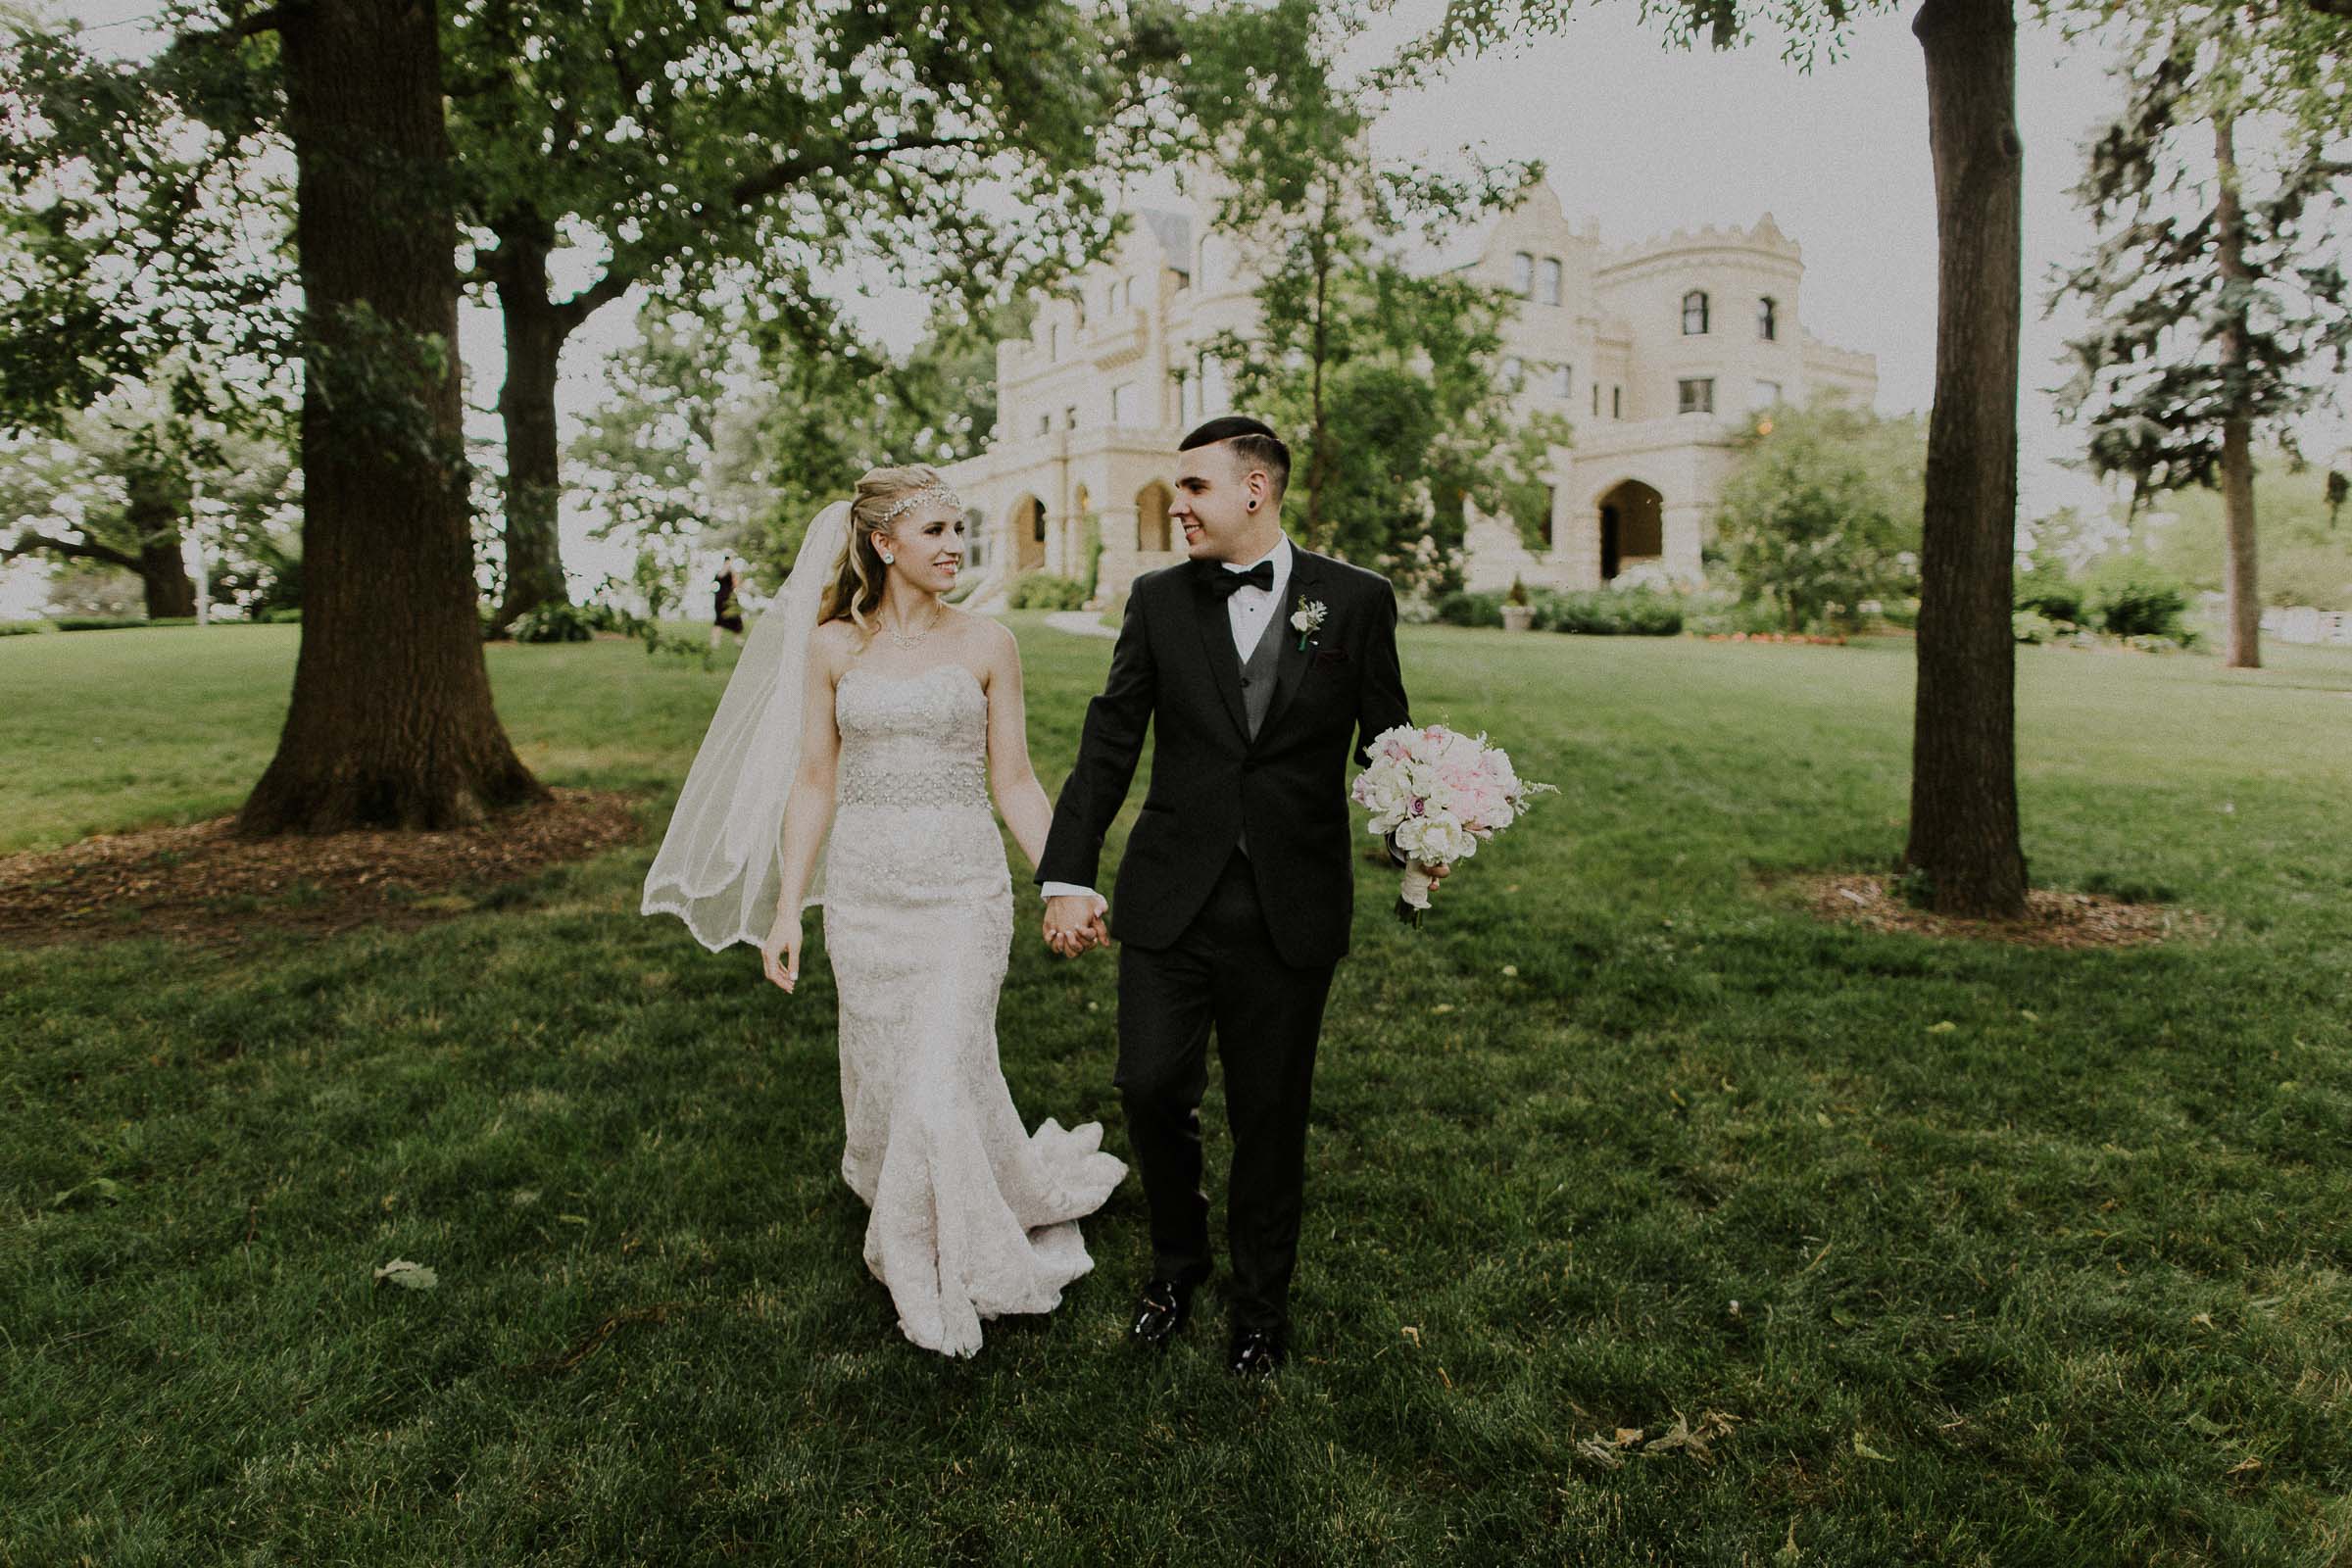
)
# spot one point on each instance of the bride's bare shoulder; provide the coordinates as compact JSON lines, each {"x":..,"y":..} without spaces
{"x":835,"y":641}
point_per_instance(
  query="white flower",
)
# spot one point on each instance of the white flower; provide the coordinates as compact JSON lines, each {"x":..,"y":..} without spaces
{"x":1307,"y":617}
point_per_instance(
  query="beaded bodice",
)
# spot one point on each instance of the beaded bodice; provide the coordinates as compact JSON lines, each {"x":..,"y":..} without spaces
{"x":912,"y":741}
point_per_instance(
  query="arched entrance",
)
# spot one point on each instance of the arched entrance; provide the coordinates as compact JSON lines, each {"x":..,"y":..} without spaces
{"x":1028,"y":533}
{"x":1632,"y":527}
{"x":1152,"y":516}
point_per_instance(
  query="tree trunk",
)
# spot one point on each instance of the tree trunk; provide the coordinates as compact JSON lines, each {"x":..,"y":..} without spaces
{"x":536,"y":329}
{"x":2243,"y":600}
{"x":1964,"y":827}
{"x":391,"y":721}
{"x":159,"y":501}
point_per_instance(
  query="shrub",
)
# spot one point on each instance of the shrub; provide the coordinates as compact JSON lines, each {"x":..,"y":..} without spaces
{"x":1609,"y":613}
{"x":282,"y":617}
{"x":2032,"y":626}
{"x":2130,"y":596}
{"x":1718,"y":614}
{"x":119,"y":623}
{"x":551,"y":623}
{"x":22,"y":628}
{"x":1471,"y":609}
{"x":1043,"y":590}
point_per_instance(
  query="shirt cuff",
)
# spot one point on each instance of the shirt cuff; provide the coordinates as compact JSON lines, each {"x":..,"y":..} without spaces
{"x":1069,"y":889}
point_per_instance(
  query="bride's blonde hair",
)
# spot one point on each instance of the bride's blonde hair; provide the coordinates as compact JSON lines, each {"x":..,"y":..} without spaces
{"x":856,"y":590}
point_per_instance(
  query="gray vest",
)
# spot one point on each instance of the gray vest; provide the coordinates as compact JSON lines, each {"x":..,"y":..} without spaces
{"x":1257,"y":686}
{"x":1257,"y":674}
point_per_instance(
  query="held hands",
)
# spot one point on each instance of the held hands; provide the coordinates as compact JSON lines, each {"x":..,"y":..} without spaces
{"x":780,"y":953}
{"x":1075,"y":923}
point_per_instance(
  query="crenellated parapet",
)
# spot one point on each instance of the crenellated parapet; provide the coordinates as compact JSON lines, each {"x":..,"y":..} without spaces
{"x":1763,"y":236}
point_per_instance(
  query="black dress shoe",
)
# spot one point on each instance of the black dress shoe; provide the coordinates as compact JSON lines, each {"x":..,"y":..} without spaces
{"x":1255,"y":1352}
{"x":1160,"y":1311}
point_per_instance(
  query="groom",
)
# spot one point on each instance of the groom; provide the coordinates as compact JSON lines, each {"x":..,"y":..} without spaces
{"x":1265,"y":667}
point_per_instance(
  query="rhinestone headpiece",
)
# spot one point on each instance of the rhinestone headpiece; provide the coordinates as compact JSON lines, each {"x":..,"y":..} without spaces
{"x":929,"y":492}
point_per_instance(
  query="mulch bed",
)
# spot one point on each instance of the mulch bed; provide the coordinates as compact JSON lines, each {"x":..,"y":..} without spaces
{"x":199,"y":884}
{"x":2052,"y":919}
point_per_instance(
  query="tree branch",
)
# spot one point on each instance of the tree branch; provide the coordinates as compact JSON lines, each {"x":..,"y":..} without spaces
{"x":789,"y":171}
{"x":31,"y":543}
{"x":250,"y":25}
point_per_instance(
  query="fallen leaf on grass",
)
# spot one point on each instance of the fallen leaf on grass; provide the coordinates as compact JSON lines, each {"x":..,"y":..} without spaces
{"x":96,"y":1187}
{"x":1599,"y":1452}
{"x":1411,"y":1333}
{"x":2243,"y":1466}
{"x":1866,"y":1452}
{"x":1712,"y":1424}
{"x":407,"y":1275}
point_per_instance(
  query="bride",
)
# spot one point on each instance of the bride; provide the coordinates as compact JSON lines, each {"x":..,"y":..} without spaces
{"x":867,"y":704}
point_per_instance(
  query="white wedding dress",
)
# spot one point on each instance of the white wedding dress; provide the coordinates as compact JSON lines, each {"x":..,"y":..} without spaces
{"x":970,"y":1216}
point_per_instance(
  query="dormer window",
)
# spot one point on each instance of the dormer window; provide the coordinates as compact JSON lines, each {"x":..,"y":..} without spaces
{"x":1768,"y":318}
{"x":1523,"y":274}
{"x":1550,"y":293}
{"x":1695,"y":312}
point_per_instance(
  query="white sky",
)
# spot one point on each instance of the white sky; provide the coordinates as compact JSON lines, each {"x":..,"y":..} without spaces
{"x":1648,"y":139}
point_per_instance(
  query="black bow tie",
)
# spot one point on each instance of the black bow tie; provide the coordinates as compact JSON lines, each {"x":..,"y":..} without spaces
{"x":1229,"y":583}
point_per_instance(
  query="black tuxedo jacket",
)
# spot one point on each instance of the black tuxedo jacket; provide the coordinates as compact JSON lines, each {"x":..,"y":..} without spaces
{"x":1175,"y":670}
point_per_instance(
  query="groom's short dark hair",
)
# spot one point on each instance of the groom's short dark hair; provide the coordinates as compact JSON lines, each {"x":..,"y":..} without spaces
{"x":1254,"y":442}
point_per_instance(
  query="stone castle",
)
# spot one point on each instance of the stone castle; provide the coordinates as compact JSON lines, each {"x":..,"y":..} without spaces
{"x":1657,"y":353}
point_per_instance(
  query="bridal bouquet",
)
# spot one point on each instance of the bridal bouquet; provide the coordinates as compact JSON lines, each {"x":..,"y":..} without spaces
{"x":1440,"y":792}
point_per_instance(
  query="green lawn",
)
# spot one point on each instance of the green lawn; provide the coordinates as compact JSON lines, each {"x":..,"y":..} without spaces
{"x":2038,"y":1256}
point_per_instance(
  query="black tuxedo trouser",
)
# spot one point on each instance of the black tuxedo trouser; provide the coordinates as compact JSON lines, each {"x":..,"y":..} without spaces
{"x":1222,"y":973}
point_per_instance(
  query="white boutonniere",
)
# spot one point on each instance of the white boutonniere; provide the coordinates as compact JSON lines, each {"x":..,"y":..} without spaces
{"x":1308,"y":619}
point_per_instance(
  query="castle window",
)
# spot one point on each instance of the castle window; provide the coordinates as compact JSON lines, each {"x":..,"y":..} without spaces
{"x":1695,"y":312}
{"x":1552,"y":510}
{"x":1563,"y":381}
{"x":1768,"y":318}
{"x":1126,"y":403}
{"x":1697,"y":394}
{"x":1069,"y":418}
{"x":1523,"y":274}
{"x":1596,"y":399}
{"x":1054,"y":350}
{"x":1552,"y":280}
{"x":1616,"y":403}
{"x":1045,"y":424}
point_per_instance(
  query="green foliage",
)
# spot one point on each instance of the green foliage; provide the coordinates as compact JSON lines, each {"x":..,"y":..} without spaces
{"x":564,"y":623}
{"x":1612,"y":612}
{"x":2305,"y":550}
{"x":1823,"y":513}
{"x":1043,"y":590}
{"x":2176,"y":347}
{"x":1464,"y":609}
{"x":2127,"y":596}
{"x":1382,"y":381}
{"x":26,"y":628}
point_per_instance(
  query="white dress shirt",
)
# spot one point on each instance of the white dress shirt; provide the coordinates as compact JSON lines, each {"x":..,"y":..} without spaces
{"x":1247,"y":611}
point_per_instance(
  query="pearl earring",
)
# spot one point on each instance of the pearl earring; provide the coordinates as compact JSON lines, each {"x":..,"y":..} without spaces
{"x":887,"y":558}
